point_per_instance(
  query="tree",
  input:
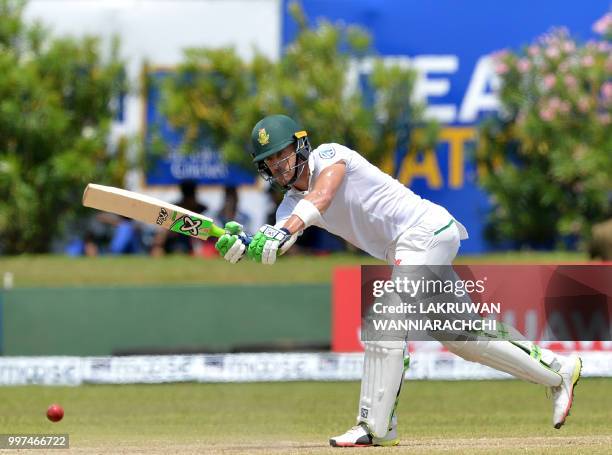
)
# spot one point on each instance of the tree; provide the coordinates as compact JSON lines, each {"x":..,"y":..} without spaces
{"x":549,"y":156}
{"x":216,"y":96}
{"x":56,"y":108}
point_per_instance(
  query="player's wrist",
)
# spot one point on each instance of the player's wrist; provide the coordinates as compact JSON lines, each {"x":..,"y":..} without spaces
{"x":307,"y":212}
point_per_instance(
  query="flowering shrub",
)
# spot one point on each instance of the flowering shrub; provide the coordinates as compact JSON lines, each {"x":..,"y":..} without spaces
{"x":549,"y":155}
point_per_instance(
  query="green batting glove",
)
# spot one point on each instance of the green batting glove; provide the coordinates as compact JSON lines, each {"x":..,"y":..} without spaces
{"x":230,"y":247}
{"x":255,"y":248}
{"x":224,"y":243}
{"x":266,"y":244}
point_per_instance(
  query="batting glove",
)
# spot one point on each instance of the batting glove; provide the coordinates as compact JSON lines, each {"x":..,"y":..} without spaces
{"x":266,"y":244}
{"x":232,"y":246}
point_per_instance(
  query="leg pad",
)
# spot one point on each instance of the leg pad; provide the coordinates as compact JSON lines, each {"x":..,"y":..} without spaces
{"x":380,"y":385}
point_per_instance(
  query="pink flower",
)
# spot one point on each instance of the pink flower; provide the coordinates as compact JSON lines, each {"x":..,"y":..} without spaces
{"x":501,"y":68}
{"x":554,"y":102}
{"x":533,"y":50}
{"x":547,"y":114}
{"x":571,"y":82}
{"x":549,"y":81}
{"x":569,"y":46}
{"x":606,"y":90}
{"x":604,"y":118}
{"x":603,"y":24}
{"x":588,"y":61}
{"x":523,"y":65}
{"x":552,"y":52}
{"x":603,"y":46}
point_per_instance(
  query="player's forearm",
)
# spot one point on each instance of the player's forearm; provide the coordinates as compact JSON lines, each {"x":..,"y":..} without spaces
{"x":320,"y":200}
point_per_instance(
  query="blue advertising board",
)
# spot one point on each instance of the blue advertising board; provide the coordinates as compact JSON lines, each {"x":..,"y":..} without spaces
{"x":173,"y":165}
{"x":449,"y":42}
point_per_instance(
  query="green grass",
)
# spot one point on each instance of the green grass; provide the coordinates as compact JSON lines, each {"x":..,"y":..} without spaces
{"x":452,"y":417}
{"x":64,"y":271}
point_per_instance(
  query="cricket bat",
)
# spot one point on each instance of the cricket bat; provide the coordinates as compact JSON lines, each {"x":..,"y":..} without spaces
{"x":150,"y":210}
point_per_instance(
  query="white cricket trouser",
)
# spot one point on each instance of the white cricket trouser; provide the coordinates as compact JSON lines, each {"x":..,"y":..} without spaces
{"x":436,"y":241}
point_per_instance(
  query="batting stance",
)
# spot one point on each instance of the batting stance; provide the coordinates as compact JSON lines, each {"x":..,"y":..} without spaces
{"x":335,"y":188}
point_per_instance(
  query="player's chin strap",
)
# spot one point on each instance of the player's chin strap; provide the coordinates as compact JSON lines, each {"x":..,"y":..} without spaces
{"x":302,"y":152}
{"x":297,"y":172}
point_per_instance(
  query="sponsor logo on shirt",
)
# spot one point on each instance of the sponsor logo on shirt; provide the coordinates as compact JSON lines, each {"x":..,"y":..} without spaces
{"x":327,"y":153}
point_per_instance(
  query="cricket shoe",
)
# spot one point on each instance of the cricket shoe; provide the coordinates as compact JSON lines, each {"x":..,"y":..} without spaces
{"x":360,"y":436}
{"x":563,"y":395}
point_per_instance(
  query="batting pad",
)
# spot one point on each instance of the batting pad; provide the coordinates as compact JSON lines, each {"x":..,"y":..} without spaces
{"x":383,"y":373}
{"x":521,"y":361}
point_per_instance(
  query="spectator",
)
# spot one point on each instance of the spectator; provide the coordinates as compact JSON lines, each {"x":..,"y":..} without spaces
{"x":229,"y":209}
{"x":107,"y":234}
{"x":126,"y":237}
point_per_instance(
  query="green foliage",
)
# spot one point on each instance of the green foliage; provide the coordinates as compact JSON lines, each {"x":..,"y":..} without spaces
{"x":550,"y":156}
{"x":218,"y":97}
{"x":55,"y":112}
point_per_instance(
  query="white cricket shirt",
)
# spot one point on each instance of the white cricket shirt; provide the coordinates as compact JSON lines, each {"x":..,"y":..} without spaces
{"x":370,"y":209}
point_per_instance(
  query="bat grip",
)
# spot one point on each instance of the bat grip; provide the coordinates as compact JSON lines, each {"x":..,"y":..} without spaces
{"x":246,"y":239}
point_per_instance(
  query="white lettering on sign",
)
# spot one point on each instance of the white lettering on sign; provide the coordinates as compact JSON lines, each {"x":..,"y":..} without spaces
{"x":481,"y":94}
{"x":434,"y":81}
{"x":429,"y":84}
{"x":204,"y":164}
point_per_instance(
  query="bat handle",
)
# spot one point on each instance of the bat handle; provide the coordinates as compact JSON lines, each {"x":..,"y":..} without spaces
{"x":246,"y":239}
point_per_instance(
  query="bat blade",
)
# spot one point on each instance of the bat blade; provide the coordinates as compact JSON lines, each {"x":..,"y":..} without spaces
{"x":150,"y":210}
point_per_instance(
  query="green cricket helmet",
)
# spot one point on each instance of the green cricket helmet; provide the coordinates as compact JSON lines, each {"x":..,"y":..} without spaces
{"x":271,"y":135}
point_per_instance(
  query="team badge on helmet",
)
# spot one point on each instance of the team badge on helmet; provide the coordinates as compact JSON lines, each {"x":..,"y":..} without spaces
{"x":263,"y":137}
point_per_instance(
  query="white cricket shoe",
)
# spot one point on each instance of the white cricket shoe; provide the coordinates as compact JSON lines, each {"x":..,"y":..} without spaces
{"x":359,"y":436}
{"x":563,"y":395}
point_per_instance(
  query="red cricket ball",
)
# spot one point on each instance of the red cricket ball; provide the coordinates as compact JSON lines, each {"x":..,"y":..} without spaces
{"x":55,"y":413}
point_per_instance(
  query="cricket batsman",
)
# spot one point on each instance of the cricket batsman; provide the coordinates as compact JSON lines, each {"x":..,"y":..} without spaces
{"x":335,"y":188}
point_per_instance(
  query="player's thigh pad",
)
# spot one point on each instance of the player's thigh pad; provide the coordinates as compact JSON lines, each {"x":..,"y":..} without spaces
{"x":380,"y":384}
{"x":506,"y":356}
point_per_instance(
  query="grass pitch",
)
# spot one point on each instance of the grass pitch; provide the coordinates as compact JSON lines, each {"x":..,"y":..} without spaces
{"x":435,"y":417}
